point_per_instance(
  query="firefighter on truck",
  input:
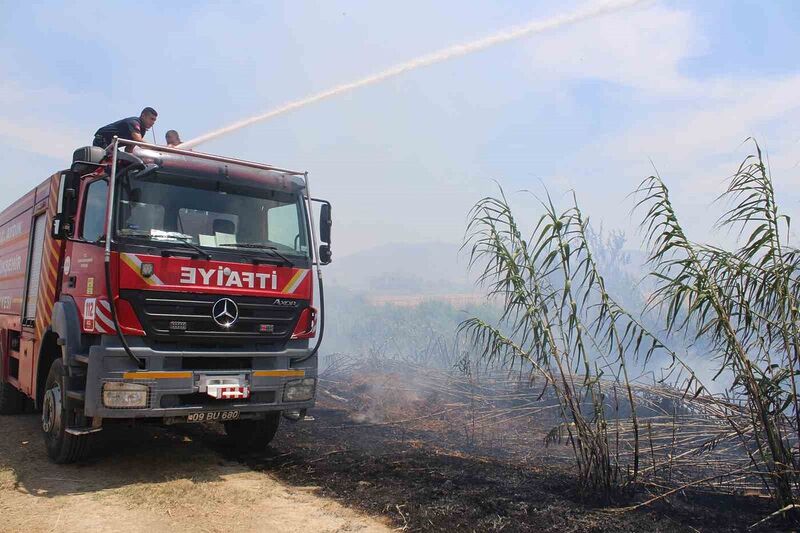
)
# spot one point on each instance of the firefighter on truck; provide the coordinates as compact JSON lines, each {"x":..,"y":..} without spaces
{"x":152,"y":282}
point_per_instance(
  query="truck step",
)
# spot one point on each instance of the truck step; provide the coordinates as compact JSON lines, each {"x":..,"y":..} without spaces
{"x":77,"y":371}
{"x":83,"y":430}
{"x":76,"y":395}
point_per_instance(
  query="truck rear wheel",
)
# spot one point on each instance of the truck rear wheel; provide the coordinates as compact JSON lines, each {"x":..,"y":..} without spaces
{"x":61,"y":446}
{"x":253,"y":435}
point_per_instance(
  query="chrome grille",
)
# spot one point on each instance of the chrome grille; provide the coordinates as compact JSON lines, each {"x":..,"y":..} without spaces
{"x":170,"y":316}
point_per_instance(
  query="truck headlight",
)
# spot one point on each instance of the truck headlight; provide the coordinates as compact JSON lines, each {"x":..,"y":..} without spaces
{"x":121,"y":395}
{"x":299,"y":390}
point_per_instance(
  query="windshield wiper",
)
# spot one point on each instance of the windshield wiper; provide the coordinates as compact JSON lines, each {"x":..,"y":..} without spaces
{"x":190,"y":244}
{"x":257,"y":246}
{"x":158,"y":235}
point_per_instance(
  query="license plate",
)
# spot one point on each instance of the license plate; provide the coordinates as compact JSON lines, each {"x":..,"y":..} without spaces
{"x":213,"y":416}
{"x":224,"y":387}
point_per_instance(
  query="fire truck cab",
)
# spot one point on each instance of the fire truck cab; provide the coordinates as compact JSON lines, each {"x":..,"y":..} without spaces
{"x":161,"y":284}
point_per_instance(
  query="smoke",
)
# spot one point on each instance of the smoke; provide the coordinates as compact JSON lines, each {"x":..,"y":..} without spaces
{"x":445,"y":54}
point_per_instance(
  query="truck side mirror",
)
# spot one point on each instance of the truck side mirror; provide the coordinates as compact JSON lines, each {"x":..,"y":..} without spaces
{"x":66,"y":207}
{"x":325,"y":254}
{"x":325,"y":223}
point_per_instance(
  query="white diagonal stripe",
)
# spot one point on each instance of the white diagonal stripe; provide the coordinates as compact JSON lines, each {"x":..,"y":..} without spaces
{"x":290,"y":289}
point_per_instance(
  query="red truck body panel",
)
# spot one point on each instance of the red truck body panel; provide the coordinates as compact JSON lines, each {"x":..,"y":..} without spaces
{"x":15,"y":228}
{"x":16,"y":257}
{"x":187,"y":275}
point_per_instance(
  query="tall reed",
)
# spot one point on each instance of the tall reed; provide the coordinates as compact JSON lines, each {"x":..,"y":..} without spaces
{"x":560,"y":321}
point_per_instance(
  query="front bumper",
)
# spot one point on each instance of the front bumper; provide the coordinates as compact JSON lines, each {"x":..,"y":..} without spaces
{"x":175,"y":392}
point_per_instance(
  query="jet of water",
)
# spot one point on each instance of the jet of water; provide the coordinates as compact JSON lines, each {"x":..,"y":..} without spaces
{"x":451,"y":52}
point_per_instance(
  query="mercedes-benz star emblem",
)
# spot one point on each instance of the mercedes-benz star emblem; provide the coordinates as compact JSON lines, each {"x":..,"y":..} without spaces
{"x":225,"y":312}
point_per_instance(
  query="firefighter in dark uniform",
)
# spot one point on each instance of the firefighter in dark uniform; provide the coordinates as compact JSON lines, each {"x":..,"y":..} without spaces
{"x":132,"y":128}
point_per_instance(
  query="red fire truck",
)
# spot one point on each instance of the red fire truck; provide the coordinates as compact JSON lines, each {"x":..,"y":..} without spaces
{"x":148,"y":282}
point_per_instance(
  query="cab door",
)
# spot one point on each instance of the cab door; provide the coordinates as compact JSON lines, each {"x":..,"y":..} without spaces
{"x":84,"y":269}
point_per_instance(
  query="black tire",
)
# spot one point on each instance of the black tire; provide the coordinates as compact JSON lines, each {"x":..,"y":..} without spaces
{"x":62,"y":448}
{"x":253,"y":435}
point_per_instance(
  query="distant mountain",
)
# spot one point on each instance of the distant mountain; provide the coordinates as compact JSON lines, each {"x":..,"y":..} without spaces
{"x":433,"y":268}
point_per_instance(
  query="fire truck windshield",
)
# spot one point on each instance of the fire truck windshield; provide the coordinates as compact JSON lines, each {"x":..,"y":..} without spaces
{"x":212,"y":214}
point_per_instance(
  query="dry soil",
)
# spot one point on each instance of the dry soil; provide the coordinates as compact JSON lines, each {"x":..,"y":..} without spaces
{"x":151,"y":479}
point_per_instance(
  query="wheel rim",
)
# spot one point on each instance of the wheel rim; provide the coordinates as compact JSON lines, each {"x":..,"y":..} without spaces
{"x":51,"y":409}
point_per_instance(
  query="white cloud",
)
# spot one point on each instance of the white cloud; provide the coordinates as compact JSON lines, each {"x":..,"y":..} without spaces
{"x":644,"y":48}
{"x":691,"y":128}
{"x":12,"y":93}
{"x":40,"y":138}
{"x":685,"y":137}
{"x":24,"y":121}
{"x":640,"y":48}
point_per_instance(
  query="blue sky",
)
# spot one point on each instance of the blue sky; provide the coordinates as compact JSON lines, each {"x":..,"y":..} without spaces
{"x":586,"y":107}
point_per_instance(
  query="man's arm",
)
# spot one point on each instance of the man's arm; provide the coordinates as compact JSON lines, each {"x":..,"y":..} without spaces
{"x":134,"y":137}
{"x":135,"y":133}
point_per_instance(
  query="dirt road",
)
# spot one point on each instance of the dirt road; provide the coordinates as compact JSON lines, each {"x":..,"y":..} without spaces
{"x":151,"y":479}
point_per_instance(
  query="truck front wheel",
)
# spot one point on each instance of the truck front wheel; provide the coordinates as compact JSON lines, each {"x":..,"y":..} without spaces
{"x":62,"y":447}
{"x":253,"y":435}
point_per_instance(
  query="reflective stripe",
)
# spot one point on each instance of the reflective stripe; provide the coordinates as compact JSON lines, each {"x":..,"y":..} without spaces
{"x":295,"y":282}
{"x":279,"y":373}
{"x":157,"y":375}
{"x":103,"y":323}
{"x":136,"y":265}
{"x":52,"y":269}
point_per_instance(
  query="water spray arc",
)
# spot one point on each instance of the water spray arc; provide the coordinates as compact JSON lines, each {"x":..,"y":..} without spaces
{"x":445,"y":54}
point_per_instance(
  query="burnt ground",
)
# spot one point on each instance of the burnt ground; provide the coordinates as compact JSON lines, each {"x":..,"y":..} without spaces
{"x":405,"y":458}
{"x":421,"y":485}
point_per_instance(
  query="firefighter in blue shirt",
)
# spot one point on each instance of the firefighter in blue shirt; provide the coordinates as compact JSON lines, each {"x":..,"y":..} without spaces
{"x":132,"y":128}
